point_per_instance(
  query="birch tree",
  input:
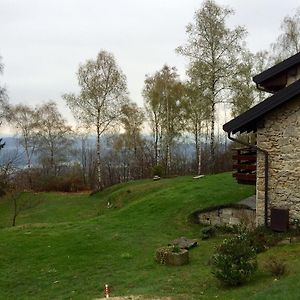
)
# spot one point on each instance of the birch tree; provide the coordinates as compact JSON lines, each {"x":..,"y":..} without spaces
{"x":213,"y":52}
{"x":25,"y":119}
{"x":288,"y":41}
{"x":4,"y":106}
{"x":163,"y":93}
{"x":243,"y":90}
{"x":53,"y":137}
{"x":103,"y":91}
{"x":3,"y":96}
{"x":196,"y":114}
{"x":132,"y":121}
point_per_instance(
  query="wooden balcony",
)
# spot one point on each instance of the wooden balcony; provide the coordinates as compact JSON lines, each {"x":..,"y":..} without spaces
{"x":244,"y":165}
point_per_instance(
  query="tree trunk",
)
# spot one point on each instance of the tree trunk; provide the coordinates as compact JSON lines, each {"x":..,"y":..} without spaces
{"x":83,"y":160}
{"x":28,"y":157}
{"x":52,"y":166}
{"x":156,"y":134}
{"x":212,"y":137}
{"x":198,"y":148}
{"x":168,"y":158}
{"x":15,"y":211}
{"x":99,"y":177}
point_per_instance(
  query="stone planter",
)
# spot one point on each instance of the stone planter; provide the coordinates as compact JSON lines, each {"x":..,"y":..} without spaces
{"x":178,"y":259}
{"x":166,"y":256}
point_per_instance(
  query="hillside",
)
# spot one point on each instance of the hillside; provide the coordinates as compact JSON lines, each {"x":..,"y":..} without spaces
{"x":68,"y":246}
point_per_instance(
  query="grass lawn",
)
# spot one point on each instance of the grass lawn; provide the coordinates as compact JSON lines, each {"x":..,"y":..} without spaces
{"x":67,"y":246}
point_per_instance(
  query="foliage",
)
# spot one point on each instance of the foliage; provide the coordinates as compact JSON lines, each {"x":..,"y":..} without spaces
{"x":242,"y":87}
{"x":196,"y":115}
{"x":53,"y":137}
{"x":26,"y":120}
{"x":163,"y":94}
{"x":276,"y":266}
{"x":128,"y":147}
{"x":4,"y":107}
{"x":213,"y":50}
{"x":208,"y":232}
{"x":103,"y":92}
{"x":262,"y":238}
{"x":230,"y":229}
{"x":235,"y":261}
{"x":288,"y":42}
{"x":157,"y":170}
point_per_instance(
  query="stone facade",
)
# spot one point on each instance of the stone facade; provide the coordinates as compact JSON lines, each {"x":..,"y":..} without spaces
{"x":280,"y":136}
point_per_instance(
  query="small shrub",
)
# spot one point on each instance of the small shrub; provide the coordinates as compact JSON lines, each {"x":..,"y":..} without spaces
{"x":208,"y":232}
{"x":157,"y":170}
{"x":276,"y":266}
{"x":175,"y":249}
{"x":231,"y":229}
{"x":234,"y":261}
{"x":262,"y":238}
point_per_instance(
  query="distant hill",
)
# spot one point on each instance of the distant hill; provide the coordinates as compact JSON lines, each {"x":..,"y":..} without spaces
{"x":12,"y":146}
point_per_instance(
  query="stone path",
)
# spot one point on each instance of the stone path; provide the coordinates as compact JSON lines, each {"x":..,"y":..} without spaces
{"x":250,"y":201}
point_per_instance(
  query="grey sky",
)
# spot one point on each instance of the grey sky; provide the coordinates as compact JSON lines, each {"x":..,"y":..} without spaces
{"x":43,"y":42}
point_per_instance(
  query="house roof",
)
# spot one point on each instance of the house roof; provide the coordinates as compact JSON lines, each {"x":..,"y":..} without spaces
{"x":277,"y":69}
{"x":248,"y":120}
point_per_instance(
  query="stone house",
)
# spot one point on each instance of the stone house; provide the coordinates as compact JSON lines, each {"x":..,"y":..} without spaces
{"x":276,"y":123}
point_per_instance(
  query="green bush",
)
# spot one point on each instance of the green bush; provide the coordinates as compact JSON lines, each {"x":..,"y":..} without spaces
{"x":262,"y":238}
{"x":234,"y":261}
{"x":157,"y":170}
{"x":208,"y":232}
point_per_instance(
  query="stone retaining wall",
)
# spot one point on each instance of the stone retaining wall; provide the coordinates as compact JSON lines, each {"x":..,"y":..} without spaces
{"x":227,"y":216}
{"x":280,"y":136}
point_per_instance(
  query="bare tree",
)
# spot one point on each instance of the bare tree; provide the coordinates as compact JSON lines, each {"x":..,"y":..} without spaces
{"x":102,"y":95}
{"x":25,"y":121}
{"x":3,"y":95}
{"x":4,"y":106}
{"x":9,"y":161}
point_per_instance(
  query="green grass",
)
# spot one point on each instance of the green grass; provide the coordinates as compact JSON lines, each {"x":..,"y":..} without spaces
{"x":68,"y":246}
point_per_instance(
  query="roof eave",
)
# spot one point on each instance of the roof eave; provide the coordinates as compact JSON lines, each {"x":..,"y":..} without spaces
{"x":248,"y":120}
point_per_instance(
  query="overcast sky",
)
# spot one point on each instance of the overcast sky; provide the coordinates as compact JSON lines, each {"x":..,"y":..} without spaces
{"x":42,"y":42}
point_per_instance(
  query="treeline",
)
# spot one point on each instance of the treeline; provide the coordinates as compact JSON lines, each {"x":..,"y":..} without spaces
{"x":183,"y":118}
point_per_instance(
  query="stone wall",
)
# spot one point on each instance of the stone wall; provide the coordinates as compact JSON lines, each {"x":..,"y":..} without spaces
{"x":280,"y":136}
{"x":227,"y":216}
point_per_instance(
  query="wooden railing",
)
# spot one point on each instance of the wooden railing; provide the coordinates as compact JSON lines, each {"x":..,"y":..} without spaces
{"x":244,"y":165}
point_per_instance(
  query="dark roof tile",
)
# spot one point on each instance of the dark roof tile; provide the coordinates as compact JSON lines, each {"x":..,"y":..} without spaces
{"x":248,"y":120}
{"x":277,"y":69}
